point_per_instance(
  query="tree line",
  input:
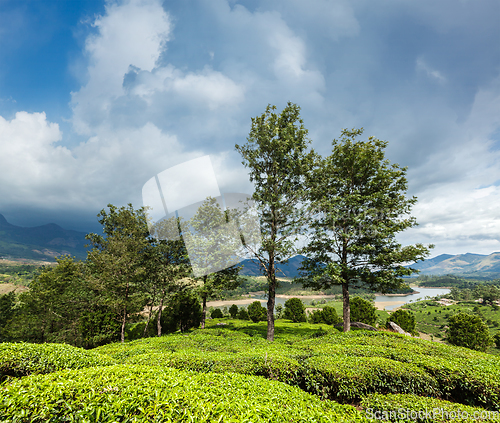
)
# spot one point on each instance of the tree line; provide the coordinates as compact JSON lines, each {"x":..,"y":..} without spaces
{"x":345,"y":209}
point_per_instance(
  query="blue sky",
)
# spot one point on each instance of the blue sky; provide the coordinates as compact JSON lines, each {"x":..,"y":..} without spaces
{"x":98,"y":97}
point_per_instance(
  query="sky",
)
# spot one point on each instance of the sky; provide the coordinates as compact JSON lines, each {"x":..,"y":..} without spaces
{"x":98,"y":97}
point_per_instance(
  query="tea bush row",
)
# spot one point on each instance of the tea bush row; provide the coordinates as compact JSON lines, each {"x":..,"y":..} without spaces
{"x":21,"y":359}
{"x":338,"y":366}
{"x":127,"y":394}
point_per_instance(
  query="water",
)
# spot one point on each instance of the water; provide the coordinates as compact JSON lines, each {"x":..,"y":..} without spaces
{"x":388,"y":302}
{"x":399,"y":301}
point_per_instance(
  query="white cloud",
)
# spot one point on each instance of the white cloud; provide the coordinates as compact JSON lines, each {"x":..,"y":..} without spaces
{"x":431,"y":73}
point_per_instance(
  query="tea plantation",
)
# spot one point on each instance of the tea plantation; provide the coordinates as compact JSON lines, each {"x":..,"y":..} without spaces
{"x":231,"y":373}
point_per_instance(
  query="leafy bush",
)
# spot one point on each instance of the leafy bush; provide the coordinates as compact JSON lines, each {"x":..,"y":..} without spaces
{"x":21,"y":359}
{"x":146,"y":394}
{"x":243,"y":314}
{"x":182,"y":312}
{"x":405,"y":319}
{"x":326,"y":315}
{"x":362,"y":311}
{"x":217,"y":314}
{"x":7,"y":303}
{"x":347,"y":379}
{"x":294,"y":310}
{"x":233,"y":311}
{"x":256,"y":312}
{"x":297,"y":357}
{"x":470,"y":331}
{"x":496,"y":338}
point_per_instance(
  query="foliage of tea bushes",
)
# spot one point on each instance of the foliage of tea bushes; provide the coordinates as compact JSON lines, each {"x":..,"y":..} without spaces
{"x":403,"y":408}
{"x":347,"y":379}
{"x":341,"y":366}
{"x":156,"y":394}
{"x":21,"y":359}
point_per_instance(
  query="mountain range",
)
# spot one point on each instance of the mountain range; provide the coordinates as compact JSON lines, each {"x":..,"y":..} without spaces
{"x":40,"y":242}
{"x":461,"y":264}
{"x":48,"y":241}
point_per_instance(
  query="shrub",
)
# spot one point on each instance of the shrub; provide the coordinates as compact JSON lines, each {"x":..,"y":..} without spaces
{"x":295,"y":310}
{"x":217,"y":314}
{"x":256,"y":312}
{"x":405,"y":319}
{"x":182,"y":312}
{"x":362,"y":311}
{"x":233,"y":311}
{"x":7,"y":303}
{"x":243,"y":314}
{"x":21,"y":359}
{"x":327,"y":315}
{"x":136,"y":330}
{"x":279,"y":311}
{"x":496,"y":338}
{"x":470,"y":331}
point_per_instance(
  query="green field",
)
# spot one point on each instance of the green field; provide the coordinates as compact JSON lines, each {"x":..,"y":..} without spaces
{"x":230,"y":373}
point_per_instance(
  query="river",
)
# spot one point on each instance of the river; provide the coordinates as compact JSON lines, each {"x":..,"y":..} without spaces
{"x":381,"y":301}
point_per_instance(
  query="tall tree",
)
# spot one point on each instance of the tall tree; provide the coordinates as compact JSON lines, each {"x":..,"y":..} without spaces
{"x":278,"y":156}
{"x":213,"y":240}
{"x":116,"y":261}
{"x":360,"y":204}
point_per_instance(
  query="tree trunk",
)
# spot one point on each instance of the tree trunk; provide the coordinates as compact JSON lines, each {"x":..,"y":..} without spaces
{"x":271,"y":277}
{"x":204,"y":313}
{"x":158,"y":321}
{"x":124,"y":320}
{"x":347,"y":307}
{"x":149,"y":315}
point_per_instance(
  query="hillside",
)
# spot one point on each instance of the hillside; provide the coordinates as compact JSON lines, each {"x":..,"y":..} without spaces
{"x":40,"y":242}
{"x":251,"y":267}
{"x":230,"y":373}
{"x":461,"y":264}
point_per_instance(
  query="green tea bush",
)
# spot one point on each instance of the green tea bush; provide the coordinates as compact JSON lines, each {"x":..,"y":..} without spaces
{"x":362,"y":311}
{"x":336,"y":365}
{"x":398,"y":408}
{"x":256,"y":312}
{"x":21,"y":359}
{"x":155,"y":394}
{"x":182,"y":312}
{"x":467,"y":330}
{"x":217,"y":314}
{"x":294,"y":310}
{"x":243,"y":314}
{"x":347,"y":379}
{"x":326,"y":315}
{"x":233,"y":311}
{"x":405,"y":319}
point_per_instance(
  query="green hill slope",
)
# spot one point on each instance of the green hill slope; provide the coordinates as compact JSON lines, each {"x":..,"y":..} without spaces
{"x":232,"y":374}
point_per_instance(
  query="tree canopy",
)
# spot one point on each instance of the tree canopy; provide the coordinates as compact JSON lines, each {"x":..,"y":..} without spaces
{"x":279,"y":159}
{"x":359,"y":204}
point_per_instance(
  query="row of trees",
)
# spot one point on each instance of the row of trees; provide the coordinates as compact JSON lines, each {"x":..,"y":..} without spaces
{"x":127,"y":271}
{"x":347,"y":207}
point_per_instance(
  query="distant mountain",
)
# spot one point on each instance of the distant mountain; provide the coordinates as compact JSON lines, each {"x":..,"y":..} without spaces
{"x":40,"y":242}
{"x":251,"y":267}
{"x":461,"y":264}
